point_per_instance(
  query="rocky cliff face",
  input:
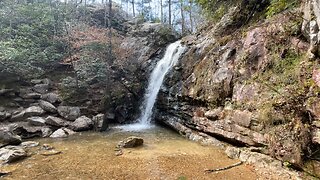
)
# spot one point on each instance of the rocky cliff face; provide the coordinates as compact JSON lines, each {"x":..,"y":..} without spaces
{"x":252,"y":87}
{"x":89,"y":78}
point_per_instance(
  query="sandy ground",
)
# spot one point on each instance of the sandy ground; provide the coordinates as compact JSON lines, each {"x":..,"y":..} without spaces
{"x":164,"y":155}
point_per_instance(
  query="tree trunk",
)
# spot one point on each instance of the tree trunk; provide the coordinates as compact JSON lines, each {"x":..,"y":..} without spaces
{"x":110,"y":31}
{"x":190,"y":16}
{"x":105,"y":14}
{"x":169,"y":4}
{"x":133,"y":13}
{"x":161,"y":11}
{"x":182,"y":17}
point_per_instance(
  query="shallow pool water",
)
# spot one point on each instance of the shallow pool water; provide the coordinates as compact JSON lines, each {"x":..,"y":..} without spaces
{"x":164,"y":155}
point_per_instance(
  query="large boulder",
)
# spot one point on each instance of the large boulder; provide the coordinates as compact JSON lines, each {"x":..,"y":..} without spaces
{"x":59,"y":134}
{"x":81,"y":124}
{"x":51,"y":97}
{"x":47,"y":106}
{"x":55,"y":121}
{"x":17,"y":116}
{"x":26,"y":131}
{"x":4,"y":115}
{"x":98,"y":122}
{"x":10,"y":154}
{"x":131,"y":142}
{"x":62,"y":133}
{"x":33,"y":111}
{"x":8,"y":138}
{"x":68,"y":112}
{"x":31,"y":96}
{"x":37,"y":121}
{"x":41,"y":88}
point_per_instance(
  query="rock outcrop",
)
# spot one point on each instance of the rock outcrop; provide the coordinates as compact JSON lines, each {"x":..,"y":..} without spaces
{"x":242,"y":89}
{"x":131,"y":142}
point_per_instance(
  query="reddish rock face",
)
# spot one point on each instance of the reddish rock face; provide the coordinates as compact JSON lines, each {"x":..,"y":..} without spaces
{"x":313,"y":105}
{"x":316,"y":77}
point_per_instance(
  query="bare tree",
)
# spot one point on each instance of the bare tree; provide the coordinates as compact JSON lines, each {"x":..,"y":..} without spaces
{"x":169,"y":4}
{"x":133,"y":13}
{"x":182,"y":17}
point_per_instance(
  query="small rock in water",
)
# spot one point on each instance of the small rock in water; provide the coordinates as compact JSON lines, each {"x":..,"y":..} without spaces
{"x":29,"y":144}
{"x":119,"y":153}
{"x":46,"y":147}
{"x":131,"y":142}
{"x":233,"y":152}
{"x":50,"y":152}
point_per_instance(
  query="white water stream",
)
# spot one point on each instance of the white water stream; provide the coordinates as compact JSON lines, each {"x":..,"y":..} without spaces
{"x":170,"y":59}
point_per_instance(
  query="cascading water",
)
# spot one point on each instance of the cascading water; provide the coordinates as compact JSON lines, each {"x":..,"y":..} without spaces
{"x":170,"y":59}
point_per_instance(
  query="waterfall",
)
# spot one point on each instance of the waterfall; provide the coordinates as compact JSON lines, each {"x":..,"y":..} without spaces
{"x":170,"y":59}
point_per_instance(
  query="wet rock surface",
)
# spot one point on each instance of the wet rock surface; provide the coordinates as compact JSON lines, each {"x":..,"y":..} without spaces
{"x":37,"y":121}
{"x":11,"y":154}
{"x":81,"y":124}
{"x":47,"y":106}
{"x":8,"y":138}
{"x":69,"y":113}
{"x":131,"y":142}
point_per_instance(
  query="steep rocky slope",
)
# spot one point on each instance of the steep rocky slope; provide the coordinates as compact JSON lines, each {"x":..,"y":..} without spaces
{"x":255,"y":87}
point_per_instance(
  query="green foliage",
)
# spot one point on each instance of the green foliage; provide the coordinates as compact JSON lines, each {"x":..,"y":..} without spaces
{"x":29,"y":36}
{"x":277,"y":6}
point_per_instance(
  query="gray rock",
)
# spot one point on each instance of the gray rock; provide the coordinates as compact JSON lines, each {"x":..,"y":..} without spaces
{"x":313,"y":27}
{"x":29,"y":144}
{"x":36,"y":81}
{"x":98,"y":121}
{"x":60,"y":133}
{"x":33,"y":111}
{"x":8,"y":138}
{"x":68,"y":131}
{"x":4,"y":115}
{"x":41,"y":81}
{"x":17,"y":116}
{"x":5,"y":91}
{"x":51,"y":97}
{"x":233,"y":152}
{"x":10,"y":154}
{"x":46,"y":131}
{"x":316,"y":136}
{"x":41,"y":88}
{"x":31,"y":96}
{"x":55,"y":121}
{"x":47,"y":106}
{"x":68,"y":112}
{"x":131,"y":142}
{"x":37,"y":121}
{"x":81,"y":124}
{"x":26,"y":131}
